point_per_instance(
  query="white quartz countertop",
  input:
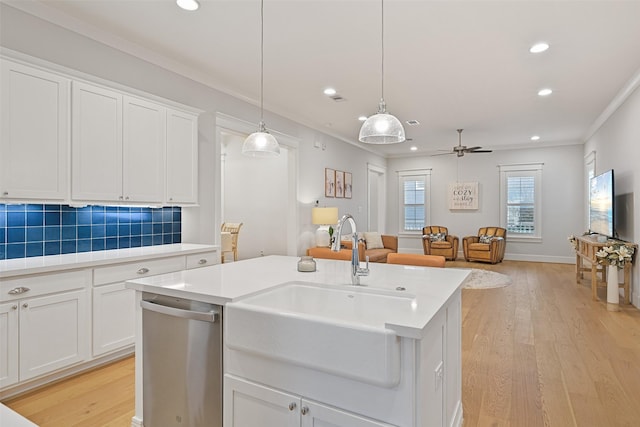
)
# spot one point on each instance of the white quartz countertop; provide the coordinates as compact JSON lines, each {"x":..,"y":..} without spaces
{"x":51,"y":263}
{"x":224,"y":283}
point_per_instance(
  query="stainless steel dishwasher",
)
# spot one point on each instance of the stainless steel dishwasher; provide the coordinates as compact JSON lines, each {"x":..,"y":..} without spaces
{"x":182,"y":362}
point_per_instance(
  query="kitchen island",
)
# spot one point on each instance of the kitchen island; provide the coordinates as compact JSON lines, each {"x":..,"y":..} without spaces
{"x":270,"y":386}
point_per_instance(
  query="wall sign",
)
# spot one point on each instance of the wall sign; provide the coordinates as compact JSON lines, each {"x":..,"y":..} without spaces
{"x":463,"y":195}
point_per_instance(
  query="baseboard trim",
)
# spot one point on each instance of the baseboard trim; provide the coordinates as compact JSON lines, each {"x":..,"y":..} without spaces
{"x":510,"y":257}
{"x":136,"y":422}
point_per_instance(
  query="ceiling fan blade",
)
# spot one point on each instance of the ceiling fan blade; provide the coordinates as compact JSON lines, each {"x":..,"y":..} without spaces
{"x":442,"y":154}
{"x":481,"y":151}
{"x":468,"y":149}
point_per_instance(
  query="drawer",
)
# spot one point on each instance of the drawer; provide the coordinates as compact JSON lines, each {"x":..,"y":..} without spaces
{"x":133,"y":270}
{"x":42,"y":284}
{"x":204,"y":259}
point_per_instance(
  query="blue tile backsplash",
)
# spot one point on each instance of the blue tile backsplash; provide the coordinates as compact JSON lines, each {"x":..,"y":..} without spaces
{"x":37,"y":230}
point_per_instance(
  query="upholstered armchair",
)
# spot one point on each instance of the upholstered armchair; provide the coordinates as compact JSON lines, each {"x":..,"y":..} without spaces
{"x":436,"y":240}
{"x":487,"y":246}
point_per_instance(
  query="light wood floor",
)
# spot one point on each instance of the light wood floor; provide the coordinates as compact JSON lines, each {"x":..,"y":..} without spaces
{"x":536,"y":353}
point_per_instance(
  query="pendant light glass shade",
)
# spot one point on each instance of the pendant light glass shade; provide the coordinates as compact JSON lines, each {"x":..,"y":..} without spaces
{"x":261,"y":144}
{"x":382,"y":128}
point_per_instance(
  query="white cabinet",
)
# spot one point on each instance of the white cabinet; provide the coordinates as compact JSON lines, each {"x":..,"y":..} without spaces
{"x":96,"y":143}
{"x":113,"y":318}
{"x":34,"y":133}
{"x":118,"y":147}
{"x":248,"y":404}
{"x":8,"y":344}
{"x":143,"y":151}
{"x":182,"y":157}
{"x":54,"y":332}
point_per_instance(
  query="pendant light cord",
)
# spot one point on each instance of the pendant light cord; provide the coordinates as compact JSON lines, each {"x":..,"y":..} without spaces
{"x":261,"y":61}
{"x":382,"y":50}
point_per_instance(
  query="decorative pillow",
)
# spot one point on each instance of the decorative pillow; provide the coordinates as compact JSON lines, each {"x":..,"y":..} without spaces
{"x":373,"y":240}
{"x":484,"y":238}
{"x":437,"y":237}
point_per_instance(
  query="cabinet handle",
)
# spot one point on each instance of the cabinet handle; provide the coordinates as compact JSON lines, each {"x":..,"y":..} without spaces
{"x":304,"y":410}
{"x":126,"y":198}
{"x":14,"y":307}
{"x":6,"y":193}
{"x":19,"y":290}
{"x":292,"y":406}
{"x":143,"y":270}
{"x":25,"y":305}
{"x":202,"y":261}
{"x":120,"y":197}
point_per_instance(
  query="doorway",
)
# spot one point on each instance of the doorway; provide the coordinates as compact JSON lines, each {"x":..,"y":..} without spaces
{"x":376,"y":195}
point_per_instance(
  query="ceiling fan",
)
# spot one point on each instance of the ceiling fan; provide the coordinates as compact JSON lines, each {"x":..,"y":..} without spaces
{"x":460,"y":149}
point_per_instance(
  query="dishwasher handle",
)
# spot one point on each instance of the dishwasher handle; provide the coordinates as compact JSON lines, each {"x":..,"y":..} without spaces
{"x":210,"y":316}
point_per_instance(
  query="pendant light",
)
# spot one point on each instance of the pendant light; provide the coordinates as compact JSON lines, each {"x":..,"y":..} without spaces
{"x":261,"y":143}
{"x":382,"y":127}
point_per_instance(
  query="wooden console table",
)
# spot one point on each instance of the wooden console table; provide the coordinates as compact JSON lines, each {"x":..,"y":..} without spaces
{"x":586,"y":251}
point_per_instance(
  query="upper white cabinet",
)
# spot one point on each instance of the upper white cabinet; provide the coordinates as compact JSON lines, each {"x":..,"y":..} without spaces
{"x":34,"y":133}
{"x":118,"y":147}
{"x":96,"y":144}
{"x":143,"y":147}
{"x":182,"y":157}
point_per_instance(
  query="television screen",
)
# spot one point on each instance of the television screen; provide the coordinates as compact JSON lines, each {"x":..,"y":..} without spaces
{"x":601,"y":196}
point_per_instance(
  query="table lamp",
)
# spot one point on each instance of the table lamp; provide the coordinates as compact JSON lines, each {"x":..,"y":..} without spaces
{"x":324,"y":217}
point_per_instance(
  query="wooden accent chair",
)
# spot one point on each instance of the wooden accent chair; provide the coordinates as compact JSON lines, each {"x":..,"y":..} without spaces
{"x":487,"y":246}
{"x":234,"y":229}
{"x":436,"y":240}
{"x":416,"y":259}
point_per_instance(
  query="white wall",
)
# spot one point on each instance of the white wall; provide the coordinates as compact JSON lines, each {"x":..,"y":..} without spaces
{"x":562,"y":198}
{"x":32,"y":36}
{"x":617,"y":147}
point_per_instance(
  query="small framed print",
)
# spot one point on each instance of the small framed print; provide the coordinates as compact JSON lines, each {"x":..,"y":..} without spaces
{"x":347,"y":185}
{"x":329,"y":182}
{"x":340,"y":184}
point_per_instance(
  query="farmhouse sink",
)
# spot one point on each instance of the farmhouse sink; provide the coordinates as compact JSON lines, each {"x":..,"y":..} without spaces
{"x":335,"y":329}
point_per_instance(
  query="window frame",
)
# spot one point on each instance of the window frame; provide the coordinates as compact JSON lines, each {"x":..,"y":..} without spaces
{"x":522,"y":170}
{"x":404,"y":176}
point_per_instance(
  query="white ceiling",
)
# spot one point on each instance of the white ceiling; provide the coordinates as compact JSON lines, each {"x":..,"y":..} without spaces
{"x":448,"y":64}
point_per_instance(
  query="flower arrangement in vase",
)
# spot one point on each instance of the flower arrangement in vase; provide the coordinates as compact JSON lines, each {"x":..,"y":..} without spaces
{"x":616,"y":254}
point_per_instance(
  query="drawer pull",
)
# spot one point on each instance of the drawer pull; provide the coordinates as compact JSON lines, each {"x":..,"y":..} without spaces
{"x":304,"y":410}
{"x":143,"y":270}
{"x":292,"y":406}
{"x":14,"y":307}
{"x":25,"y":305}
{"x":202,"y":261}
{"x":19,"y":290}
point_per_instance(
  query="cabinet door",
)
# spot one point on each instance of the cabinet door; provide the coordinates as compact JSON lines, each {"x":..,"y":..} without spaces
{"x":54,"y":332}
{"x":8,"y":344}
{"x":114,"y":320}
{"x":250,"y":405}
{"x":96,"y":143}
{"x":143,"y":151}
{"x":34,"y":138}
{"x":318,"y":415}
{"x":182,"y":157}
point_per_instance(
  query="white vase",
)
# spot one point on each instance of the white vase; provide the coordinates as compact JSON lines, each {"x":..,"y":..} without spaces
{"x":613,"y":295}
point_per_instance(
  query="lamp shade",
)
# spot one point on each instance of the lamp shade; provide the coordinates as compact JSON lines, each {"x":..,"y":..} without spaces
{"x":324,"y":216}
{"x":382,"y":128}
{"x":260,"y":144}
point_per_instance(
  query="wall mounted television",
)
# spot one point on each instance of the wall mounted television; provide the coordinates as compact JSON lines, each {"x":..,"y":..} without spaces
{"x":601,"y":206}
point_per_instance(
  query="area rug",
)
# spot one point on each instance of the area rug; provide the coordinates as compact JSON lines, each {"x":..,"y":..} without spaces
{"x":485,"y":279}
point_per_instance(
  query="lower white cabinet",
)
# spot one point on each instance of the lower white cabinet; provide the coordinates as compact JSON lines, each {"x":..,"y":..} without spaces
{"x":248,"y":404}
{"x":53,"y":332}
{"x":113,"y":318}
{"x":8,"y":344}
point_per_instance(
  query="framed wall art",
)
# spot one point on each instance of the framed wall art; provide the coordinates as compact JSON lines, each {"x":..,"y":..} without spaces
{"x":347,"y":185}
{"x":463,"y":195}
{"x":340,"y":184}
{"x":329,"y":182}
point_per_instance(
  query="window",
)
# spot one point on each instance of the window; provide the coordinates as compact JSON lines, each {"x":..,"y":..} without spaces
{"x":520,"y":195}
{"x":414,"y":195}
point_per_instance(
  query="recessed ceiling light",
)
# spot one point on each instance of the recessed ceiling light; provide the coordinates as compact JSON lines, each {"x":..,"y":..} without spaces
{"x":330,"y":91}
{"x":412,"y":122}
{"x":539,"y":47}
{"x":535,"y":138}
{"x":189,"y":5}
{"x":414,"y":148}
{"x":362,"y":118}
{"x":545,"y":92}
